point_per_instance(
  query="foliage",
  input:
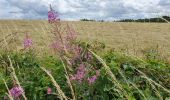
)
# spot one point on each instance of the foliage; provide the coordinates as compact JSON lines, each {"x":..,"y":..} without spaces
{"x":35,"y":82}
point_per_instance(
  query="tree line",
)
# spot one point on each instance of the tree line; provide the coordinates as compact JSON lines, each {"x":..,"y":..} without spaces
{"x":161,"y":19}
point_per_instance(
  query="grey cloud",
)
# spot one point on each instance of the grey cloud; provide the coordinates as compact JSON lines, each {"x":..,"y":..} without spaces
{"x":91,"y":9}
{"x":30,"y":9}
{"x":164,"y":2}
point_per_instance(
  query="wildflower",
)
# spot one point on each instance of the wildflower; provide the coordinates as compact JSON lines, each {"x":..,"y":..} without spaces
{"x":80,"y":74}
{"x":92,"y":79}
{"x":27,"y":41}
{"x":52,"y":15}
{"x":72,"y":78}
{"x":16,"y":91}
{"x":49,"y":90}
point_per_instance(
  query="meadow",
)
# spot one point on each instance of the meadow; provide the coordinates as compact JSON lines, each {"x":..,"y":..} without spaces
{"x":132,"y":38}
{"x":128,"y":61}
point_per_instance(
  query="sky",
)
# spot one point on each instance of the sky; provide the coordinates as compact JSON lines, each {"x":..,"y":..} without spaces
{"x":79,"y":9}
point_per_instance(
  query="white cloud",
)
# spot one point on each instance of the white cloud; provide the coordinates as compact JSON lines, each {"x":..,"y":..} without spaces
{"x":78,"y":9}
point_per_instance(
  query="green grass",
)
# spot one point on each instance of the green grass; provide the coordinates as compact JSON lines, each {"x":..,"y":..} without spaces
{"x":121,"y":77}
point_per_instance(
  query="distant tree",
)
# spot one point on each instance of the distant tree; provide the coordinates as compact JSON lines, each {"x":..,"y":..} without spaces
{"x":84,"y":19}
{"x":161,"y":19}
{"x":101,"y":21}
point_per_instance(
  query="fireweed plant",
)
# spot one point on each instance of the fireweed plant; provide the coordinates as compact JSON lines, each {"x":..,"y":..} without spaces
{"x":77,"y":59}
{"x":84,"y":71}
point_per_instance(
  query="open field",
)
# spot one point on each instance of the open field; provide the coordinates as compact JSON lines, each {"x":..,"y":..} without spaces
{"x":132,"y":38}
{"x":134,"y":66}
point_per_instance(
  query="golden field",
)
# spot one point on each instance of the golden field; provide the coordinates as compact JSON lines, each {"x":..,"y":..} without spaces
{"x":131,"y":38}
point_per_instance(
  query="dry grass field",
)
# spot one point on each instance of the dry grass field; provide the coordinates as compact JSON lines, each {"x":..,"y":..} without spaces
{"x":138,"y":71}
{"x":132,"y":38}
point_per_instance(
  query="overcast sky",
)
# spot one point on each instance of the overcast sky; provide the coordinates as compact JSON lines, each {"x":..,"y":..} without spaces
{"x":78,"y":9}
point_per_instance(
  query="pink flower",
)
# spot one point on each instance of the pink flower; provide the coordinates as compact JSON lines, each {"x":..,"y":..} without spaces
{"x":72,"y":78}
{"x":49,"y":90}
{"x":52,"y":15}
{"x":27,"y":41}
{"x":80,"y":74}
{"x":16,"y":91}
{"x":92,"y":79}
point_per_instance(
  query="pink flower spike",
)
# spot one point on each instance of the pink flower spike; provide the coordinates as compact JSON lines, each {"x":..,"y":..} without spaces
{"x":27,"y":41}
{"x":72,"y":78}
{"x":49,"y":90}
{"x":52,"y":16}
{"x":16,"y":91}
{"x":92,"y":79}
{"x":80,"y":74}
